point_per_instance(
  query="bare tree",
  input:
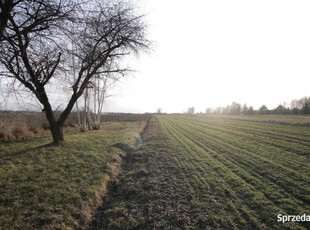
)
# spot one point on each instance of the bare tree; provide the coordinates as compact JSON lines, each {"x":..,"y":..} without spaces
{"x":209,"y":110}
{"x":244,"y":109}
{"x":218,"y":110}
{"x":235,"y":108}
{"x":95,"y":96}
{"x":37,"y":45}
{"x":191,"y":110}
{"x":101,"y":87}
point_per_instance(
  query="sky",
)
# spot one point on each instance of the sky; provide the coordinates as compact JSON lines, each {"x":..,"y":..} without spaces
{"x":211,"y":53}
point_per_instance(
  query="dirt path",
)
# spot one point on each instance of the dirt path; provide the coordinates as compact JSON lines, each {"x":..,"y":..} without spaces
{"x":146,"y":195}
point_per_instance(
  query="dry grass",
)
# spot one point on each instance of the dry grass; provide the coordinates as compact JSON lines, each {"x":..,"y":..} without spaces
{"x":31,"y":122}
{"x":36,"y":130}
{"x":5,"y":134}
{"x":17,"y":132}
{"x":21,"y":132}
{"x":57,"y":187}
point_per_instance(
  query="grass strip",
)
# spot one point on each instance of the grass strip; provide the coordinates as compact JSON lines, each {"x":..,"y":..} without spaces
{"x":59,"y":187}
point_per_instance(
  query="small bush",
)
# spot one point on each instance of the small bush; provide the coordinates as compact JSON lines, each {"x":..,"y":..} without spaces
{"x":20,"y":132}
{"x":36,"y":130}
{"x":5,"y":134}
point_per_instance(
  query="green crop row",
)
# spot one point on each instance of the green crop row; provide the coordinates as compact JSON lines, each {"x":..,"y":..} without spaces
{"x":242,"y":174}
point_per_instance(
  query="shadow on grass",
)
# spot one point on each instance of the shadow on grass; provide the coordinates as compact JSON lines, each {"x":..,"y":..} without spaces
{"x":11,"y":155}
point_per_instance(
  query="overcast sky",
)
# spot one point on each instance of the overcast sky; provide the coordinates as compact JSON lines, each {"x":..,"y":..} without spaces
{"x":211,"y":53}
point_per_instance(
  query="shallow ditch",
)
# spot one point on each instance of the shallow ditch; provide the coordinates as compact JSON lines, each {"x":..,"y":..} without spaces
{"x":145,"y":194}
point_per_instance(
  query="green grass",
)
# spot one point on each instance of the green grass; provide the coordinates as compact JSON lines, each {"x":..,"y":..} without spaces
{"x":303,"y":120}
{"x":241,"y":173}
{"x":192,"y":172}
{"x":58,"y":187}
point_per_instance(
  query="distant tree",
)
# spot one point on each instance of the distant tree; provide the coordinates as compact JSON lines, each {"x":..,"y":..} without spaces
{"x":298,"y":106}
{"x":159,"y":110}
{"x":226,"y":110}
{"x":295,"y":111}
{"x":263,"y":109}
{"x":209,"y":110}
{"x":306,"y":108}
{"x":244,"y":109}
{"x":235,"y":108}
{"x":191,"y":110}
{"x":43,"y":36}
{"x":280,"y":110}
{"x":294,"y":104}
{"x":218,"y":110}
{"x":250,"y":110}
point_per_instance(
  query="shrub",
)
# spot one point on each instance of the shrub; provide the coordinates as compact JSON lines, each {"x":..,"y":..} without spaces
{"x":5,"y":134}
{"x":20,"y":132}
{"x":36,"y":130}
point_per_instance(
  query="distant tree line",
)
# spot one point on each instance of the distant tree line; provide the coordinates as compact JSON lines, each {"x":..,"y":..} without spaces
{"x":297,"y":106}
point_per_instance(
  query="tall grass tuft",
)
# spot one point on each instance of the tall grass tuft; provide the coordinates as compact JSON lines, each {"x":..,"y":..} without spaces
{"x":36,"y":130}
{"x":21,"y":132}
{"x":5,"y":134}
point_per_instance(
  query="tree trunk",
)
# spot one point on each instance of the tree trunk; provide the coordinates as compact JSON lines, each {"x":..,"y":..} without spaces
{"x":56,"y":128}
{"x":57,"y":133}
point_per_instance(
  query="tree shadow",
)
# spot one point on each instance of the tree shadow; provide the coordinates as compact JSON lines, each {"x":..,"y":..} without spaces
{"x":11,"y":155}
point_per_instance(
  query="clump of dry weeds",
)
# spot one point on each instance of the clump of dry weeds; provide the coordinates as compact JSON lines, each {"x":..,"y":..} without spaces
{"x":5,"y":134}
{"x":36,"y":130}
{"x":21,"y":132}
